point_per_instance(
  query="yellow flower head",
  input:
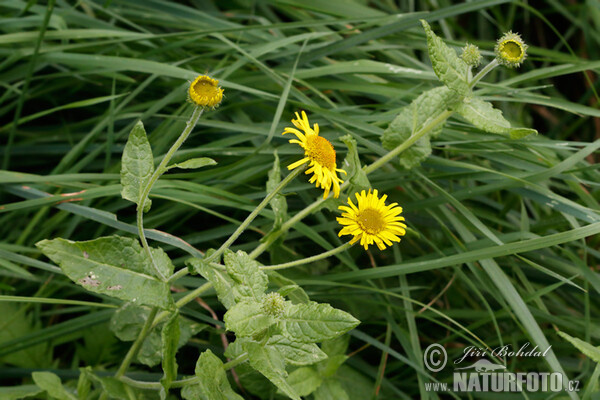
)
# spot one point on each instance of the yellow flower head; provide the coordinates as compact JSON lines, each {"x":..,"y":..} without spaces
{"x":205,"y":92}
{"x":372,"y":221}
{"x":319,"y":152}
{"x":510,"y":50}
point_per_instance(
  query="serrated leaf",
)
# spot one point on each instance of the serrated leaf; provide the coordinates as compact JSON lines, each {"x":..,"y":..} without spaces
{"x":337,"y":346}
{"x":331,"y":389}
{"x":449,"y":68}
{"x":251,"y":282}
{"x":52,"y":384}
{"x":357,"y":177}
{"x":297,"y":353}
{"x":170,"y":339}
{"x":428,"y":106}
{"x":591,"y":351}
{"x":115,"y":266}
{"x":225,"y":287}
{"x":304,"y":380}
{"x":194,"y":163}
{"x":126,"y":323}
{"x":278,"y":203}
{"x":315,"y":322}
{"x":213,"y":384}
{"x":16,"y":323}
{"x":483,"y":115}
{"x":269,"y":362}
{"x":137,"y":166}
{"x":247,"y":319}
{"x":518,"y":133}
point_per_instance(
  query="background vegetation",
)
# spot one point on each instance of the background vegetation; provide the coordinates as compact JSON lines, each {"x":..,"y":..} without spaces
{"x":504,"y":237}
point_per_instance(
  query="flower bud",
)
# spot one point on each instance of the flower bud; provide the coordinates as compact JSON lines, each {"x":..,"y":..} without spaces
{"x":471,"y":55}
{"x":510,"y":50}
{"x":273,"y":304}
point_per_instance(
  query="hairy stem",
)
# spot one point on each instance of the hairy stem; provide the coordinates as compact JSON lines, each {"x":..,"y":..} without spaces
{"x":135,"y":347}
{"x":162,"y":167}
{"x":303,"y":261}
{"x":493,"y":64}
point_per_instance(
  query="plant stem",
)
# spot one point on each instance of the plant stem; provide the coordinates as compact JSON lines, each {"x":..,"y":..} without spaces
{"x":133,"y":350}
{"x":493,"y":64}
{"x":183,"y":301}
{"x":191,"y":123}
{"x":303,"y":261}
{"x":242,"y":358}
{"x":368,"y":169}
{"x":255,"y":212}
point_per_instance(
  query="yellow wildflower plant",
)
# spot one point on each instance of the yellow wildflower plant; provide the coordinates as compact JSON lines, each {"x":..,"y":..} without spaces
{"x":204,"y":91}
{"x":319,"y":153}
{"x":510,"y":50}
{"x":372,"y":221}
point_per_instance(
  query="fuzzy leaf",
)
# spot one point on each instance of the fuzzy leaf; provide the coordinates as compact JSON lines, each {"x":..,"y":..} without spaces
{"x":518,"y":133}
{"x":449,"y":68}
{"x":137,"y":165}
{"x":247,"y":319}
{"x":225,"y":287}
{"x":591,"y":351}
{"x":483,"y":115}
{"x":357,"y":177}
{"x":52,"y":385}
{"x":297,"y":296}
{"x":213,"y":384}
{"x":269,"y":362}
{"x":194,"y":163}
{"x":170,"y":339}
{"x":251,"y":282}
{"x":297,"y":353}
{"x":315,"y":322}
{"x":115,"y":266}
{"x":19,"y":392}
{"x":278,"y":203}
{"x":304,"y":380}
{"x":412,"y":118}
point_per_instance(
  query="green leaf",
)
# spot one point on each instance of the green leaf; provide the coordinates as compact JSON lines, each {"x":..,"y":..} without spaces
{"x":336,"y":355}
{"x":84,"y":384}
{"x":331,"y":389}
{"x":315,"y":322}
{"x":170,"y":339}
{"x":449,"y":68}
{"x":15,"y":324}
{"x":483,"y":115}
{"x":151,"y":351}
{"x":297,"y":353}
{"x":591,"y":351}
{"x":19,"y":392}
{"x":297,"y":296}
{"x":225,"y":287}
{"x":304,"y":380}
{"x":247,"y":319}
{"x":194,"y":163}
{"x":115,"y":266}
{"x":518,"y":133}
{"x":251,"y":282}
{"x":355,"y":174}
{"x":126,"y":323}
{"x":278,"y":203}
{"x":429,"y":105}
{"x":137,"y":166}
{"x":213,"y":380}
{"x":52,"y":385}
{"x":269,"y":362}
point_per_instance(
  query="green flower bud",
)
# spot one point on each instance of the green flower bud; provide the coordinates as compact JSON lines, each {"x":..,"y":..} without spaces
{"x":510,"y":50}
{"x":471,"y":55}
{"x":273,"y":304}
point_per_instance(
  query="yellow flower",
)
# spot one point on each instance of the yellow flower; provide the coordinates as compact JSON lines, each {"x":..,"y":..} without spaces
{"x":372,"y":221}
{"x":205,"y":92}
{"x":510,"y":50}
{"x":319,"y":152}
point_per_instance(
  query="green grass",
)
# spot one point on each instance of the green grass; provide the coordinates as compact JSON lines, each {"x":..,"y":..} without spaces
{"x":503,"y":246}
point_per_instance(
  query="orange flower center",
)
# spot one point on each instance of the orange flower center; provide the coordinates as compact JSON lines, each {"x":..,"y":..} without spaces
{"x":370,"y":220}
{"x":319,"y":149}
